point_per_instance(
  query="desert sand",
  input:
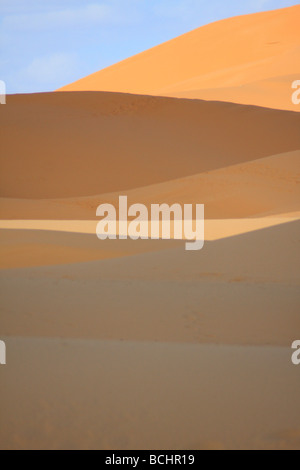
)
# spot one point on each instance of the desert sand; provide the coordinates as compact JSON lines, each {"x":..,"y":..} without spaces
{"x":108,"y":142}
{"x":123,"y":344}
{"x":251,"y":59}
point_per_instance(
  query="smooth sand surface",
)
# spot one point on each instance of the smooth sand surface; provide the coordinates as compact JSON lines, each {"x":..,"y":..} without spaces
{"x":253,"y":59}
{"x":231,"y":292}
{"x":114,"y":395}
{"x":140,"y":344}
{"x":261,"y":188}
{"x":123,"y":344}
{"x":83,"y":144}
{"x":274,"y":92}
{"x":51,"y":242}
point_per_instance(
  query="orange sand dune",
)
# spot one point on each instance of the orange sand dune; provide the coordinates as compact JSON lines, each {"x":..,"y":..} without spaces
{"x":240,"y":59}
{"x":269,"y":93}
{"x":44,"y":247}
{"x":265,"y":187}
{"x":58,"y":145}
{"x":124,"y":344}
{"x":26,"y":243}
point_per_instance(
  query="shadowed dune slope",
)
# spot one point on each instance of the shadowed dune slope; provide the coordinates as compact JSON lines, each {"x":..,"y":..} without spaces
{"x":57,"y":145}
{"x":231,"y":292}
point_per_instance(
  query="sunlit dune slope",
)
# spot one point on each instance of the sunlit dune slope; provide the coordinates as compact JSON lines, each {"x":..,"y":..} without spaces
{"x":237,"y":59}
{"x":265,"y":187}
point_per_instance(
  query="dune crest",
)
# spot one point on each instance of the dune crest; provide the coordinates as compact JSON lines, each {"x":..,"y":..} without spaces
{"x":237,"y":59}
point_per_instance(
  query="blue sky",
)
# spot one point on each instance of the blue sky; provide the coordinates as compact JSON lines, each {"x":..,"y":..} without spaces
{"x":46,"y":44}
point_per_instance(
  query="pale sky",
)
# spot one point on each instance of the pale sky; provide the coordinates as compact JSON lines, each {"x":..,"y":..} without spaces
{"x":46,"y":44}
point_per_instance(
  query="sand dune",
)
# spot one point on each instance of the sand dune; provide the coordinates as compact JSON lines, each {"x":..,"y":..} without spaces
{"x":145,"y":321}
{"x":96,"y":138}
{"x":274,"y":92}
{"x":52,"y":242}
{"x":240,"y":59}
{"x":264,"y":187}
{"x":45,"y":243}
{"x":226,"y":294}
{"x":123,"y":344}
